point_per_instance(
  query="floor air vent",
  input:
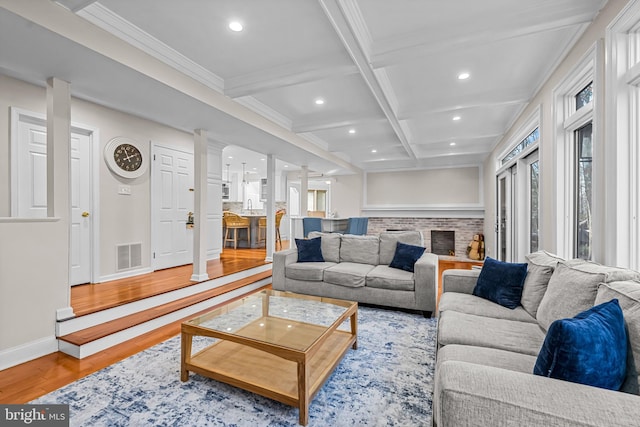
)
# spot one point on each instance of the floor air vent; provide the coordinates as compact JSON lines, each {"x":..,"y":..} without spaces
{"x":129,"y":256}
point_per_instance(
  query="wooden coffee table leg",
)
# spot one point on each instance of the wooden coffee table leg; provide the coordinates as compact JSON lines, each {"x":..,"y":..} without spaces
{"x":303,"y":392}
{"x":185,"y":343}
{"x":354,"y":329}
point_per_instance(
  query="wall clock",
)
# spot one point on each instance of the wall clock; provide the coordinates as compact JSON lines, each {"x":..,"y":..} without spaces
{"x":125,"y":157}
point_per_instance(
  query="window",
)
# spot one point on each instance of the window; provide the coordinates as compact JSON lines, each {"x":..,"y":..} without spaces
{"x":517,"y":187}
{"x":583,"y":191}
{"x":577,"y":119}
{"x":530,"y":139}
{"x":317,"y":200}
{"x":534,"y":204}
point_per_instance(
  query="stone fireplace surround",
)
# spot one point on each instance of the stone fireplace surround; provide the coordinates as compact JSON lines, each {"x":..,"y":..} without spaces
{"x":465,"y":228}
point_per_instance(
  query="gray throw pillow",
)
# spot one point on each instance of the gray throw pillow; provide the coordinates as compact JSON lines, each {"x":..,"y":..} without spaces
{"x":628,"y":295}
{"x":570,"y":291}
{"x":535,"y":286}
{"x":330,"y":245}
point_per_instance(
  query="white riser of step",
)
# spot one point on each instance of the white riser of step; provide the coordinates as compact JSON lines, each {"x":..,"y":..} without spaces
{"x":76,"y":324}
{"x":101,"y":344}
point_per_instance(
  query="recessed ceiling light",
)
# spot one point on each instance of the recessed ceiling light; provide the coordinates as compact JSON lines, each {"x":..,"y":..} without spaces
{"x":230,"y":157}
{"x":374,"y":151}
{"x":452,"y":144}
{"x":286,"y":166}
{"x":328,"y":182}
{"x":235,"y":26}
{"x":456,"y":118}
{"x":263,"y":159}
{"x":463,"y":76}
{"x":319,"y":101}
{"x":352,"y":131}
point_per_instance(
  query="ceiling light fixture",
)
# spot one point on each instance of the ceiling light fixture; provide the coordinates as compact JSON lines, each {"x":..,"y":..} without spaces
{"x":352,"y":131}
{"x":319,"y":101}
{"x":235,"y":26}
{"x":452,"y":144}
{"x":456,"y":118}
{"x":244,"y":178}
{"x":374,"y":151}
{"x":463,"y":76}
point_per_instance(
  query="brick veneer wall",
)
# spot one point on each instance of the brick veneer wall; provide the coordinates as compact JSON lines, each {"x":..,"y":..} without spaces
{"x":465,"y":228}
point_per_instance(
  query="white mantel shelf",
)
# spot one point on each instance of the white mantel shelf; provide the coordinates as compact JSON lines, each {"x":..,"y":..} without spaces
{"x":424,"y":211}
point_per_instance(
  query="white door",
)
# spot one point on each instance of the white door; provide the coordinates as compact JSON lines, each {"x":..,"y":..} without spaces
{"x":505,"y":215}
{"x":31,"y":190}
{"x":172,"y":202}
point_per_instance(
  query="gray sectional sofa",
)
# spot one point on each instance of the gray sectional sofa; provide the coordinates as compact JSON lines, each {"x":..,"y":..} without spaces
{"x":487,"y":353}
{"x":356,"y":268}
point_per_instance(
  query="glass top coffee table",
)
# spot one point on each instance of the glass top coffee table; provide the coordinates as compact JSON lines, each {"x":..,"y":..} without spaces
{"x":280,"y":345}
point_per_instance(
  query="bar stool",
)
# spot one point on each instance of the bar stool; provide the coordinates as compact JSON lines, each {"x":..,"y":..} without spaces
{"x":262,"y":227}
{"x":235,"y":222}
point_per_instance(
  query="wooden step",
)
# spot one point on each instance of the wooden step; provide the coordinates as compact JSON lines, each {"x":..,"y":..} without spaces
{"x":90,"y":340}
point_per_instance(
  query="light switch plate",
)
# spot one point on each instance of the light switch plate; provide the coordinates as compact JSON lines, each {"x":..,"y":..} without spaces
{"x":124,"y":190}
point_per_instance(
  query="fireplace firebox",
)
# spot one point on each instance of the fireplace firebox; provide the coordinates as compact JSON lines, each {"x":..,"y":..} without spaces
{"x":443,"y":242}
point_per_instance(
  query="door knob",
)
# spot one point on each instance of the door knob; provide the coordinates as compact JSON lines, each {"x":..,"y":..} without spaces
{"x":85,"y":214}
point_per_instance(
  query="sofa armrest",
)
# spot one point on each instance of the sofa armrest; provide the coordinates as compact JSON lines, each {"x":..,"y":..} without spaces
{"x":280,"y":260}
{"x":468,"y":394}
{"x":425,"y":273}
{"x":459,"y":280}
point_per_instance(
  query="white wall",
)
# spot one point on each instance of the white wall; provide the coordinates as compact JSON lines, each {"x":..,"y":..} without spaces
{"x":346,"y":195}
{"x":544,"y":99}
{"x":428,"y":186}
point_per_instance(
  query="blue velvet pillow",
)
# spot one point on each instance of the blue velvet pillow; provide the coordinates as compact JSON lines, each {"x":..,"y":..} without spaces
{"x":501,"y":282}
{"x":590,"y":348}
{"x":310,"y":250}
{"x":406,"y":256}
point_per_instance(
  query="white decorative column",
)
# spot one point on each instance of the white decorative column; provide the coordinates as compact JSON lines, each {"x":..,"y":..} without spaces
{"x":200,"y":206}
{"x":271,"y":206}
{"x":304,"y":189}
{"x":214,"y":199}
{"x":59,"y":170}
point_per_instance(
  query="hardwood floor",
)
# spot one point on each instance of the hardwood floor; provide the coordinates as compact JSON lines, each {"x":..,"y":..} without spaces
{"x":30,"y":380}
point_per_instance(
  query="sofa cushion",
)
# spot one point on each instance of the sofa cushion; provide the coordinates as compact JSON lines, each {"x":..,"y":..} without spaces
{"x":389,"y":239}
{"x":571,"y":290}
{"x":487,"y":356}
{"x":330,"y":245}
{"x":360,"y":249}
{"x":480,"y":331}
{"x":309,"y":271}
{"x":544,"y":258}
{"x":628,"y":295}
{"x":611,"y":274}
{"x":309,"y":250}
{"x":350,"y":274}
{"x":386,"y":277}
{"x":535,"y":286}
{"x":470,"y":304}
{"x":406,"y":256}
{"x":501,"y":282}
{"x":589,"y":349}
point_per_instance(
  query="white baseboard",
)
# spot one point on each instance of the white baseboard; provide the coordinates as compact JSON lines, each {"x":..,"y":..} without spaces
{"x":26,"y":352}
{"x":124,"y":274}
{"x":65,"y":313}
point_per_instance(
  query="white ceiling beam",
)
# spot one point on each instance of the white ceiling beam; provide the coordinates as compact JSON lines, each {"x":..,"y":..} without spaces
{"x":349,"y":25}
{"x":415,"y":45}
{"x":61,"y":21}
{"x":288,"y":75}
{"x":477,"y":100}
{"x":75,"y":5}
{"x":317,"y":123}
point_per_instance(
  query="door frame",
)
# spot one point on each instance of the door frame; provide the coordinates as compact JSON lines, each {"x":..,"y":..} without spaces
{"x":153,"y":215}
{"x":509,"y":176}
{"x":22,"y":115}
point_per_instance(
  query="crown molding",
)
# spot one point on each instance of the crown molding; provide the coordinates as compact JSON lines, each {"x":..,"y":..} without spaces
{"x":125,"y":30}
{"x":265,"y":111}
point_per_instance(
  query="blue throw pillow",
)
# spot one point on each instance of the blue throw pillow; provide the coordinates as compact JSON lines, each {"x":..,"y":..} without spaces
{"x":501,"y":282}
{"x":310,"y":250}
{"x":406,"y":256}
{"x":590,"y":348}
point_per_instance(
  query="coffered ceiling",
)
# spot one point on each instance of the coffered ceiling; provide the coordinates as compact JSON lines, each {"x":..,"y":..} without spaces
{"x":386,"y":71}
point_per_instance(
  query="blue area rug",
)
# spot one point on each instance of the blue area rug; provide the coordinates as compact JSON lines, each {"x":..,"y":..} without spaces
{"x":387,"y":381}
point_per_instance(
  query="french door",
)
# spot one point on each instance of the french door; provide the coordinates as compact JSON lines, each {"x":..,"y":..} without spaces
{"x":505,"y":214}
